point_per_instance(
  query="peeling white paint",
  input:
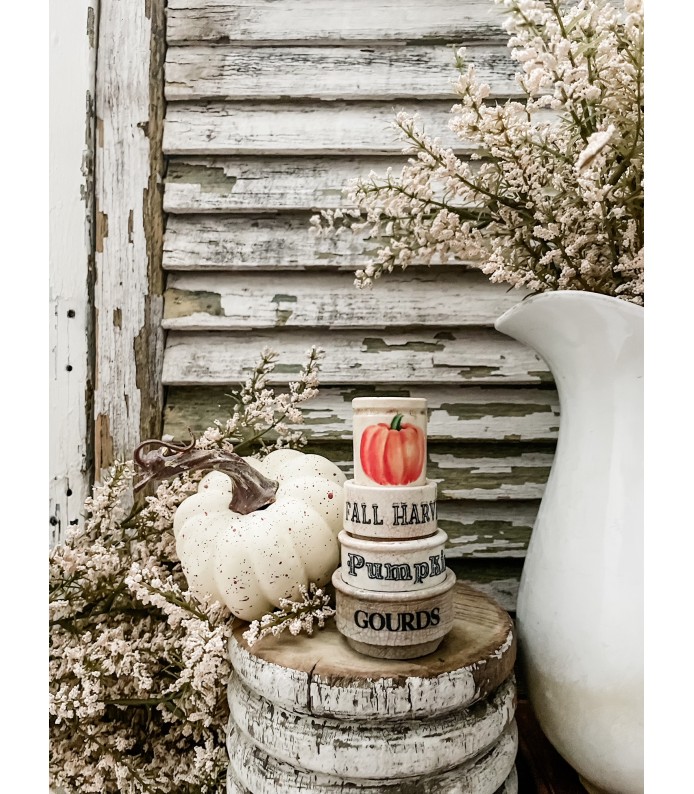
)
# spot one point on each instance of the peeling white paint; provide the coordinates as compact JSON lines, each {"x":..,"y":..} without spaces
{"x":72,"y":62}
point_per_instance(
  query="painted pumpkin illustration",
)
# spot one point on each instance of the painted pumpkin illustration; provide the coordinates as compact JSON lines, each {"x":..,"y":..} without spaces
{"x":392,"y":454}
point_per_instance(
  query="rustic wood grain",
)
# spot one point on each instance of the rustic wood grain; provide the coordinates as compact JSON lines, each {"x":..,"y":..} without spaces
{"x":323,"y":676}
{"x":311,"y":128}
{"x":459,"y":414}
{"x":475,"y":356}
{"x":286,"y":242}
{"x":270,"y":184}
{"x":333,"y":747}
{"x":380,"y":71}
{"x":222,"y":302}
{"x":72,"y":140}
{"x":253,"y":768}
{"x":128,"y":391}
{"x":255,"y":22}
{"x":266,"y":184}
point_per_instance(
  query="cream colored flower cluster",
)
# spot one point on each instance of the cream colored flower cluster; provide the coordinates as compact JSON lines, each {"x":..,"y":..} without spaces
{"x":552,"y":198}
{"x":138,"y":666}
{"x":297,"y":616}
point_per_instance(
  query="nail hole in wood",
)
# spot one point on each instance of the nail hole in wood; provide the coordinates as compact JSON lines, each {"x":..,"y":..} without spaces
{"x":70,"y":312}
{"x":69,"y":368}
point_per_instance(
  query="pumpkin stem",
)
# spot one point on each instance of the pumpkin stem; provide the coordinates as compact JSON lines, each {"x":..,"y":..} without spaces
{"x":397,"y":421}
{"x":251,"y":490}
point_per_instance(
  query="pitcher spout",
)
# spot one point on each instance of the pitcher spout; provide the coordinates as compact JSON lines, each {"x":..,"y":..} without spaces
{"x":578,"y":334}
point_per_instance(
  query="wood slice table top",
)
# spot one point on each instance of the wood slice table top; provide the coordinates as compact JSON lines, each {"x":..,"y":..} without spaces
{"x":323,"y":675}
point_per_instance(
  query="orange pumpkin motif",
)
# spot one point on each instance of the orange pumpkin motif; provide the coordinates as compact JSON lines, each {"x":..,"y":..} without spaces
{"x":392,"y":454}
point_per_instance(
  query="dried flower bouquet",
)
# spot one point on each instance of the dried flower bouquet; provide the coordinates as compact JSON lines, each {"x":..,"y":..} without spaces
{"x":138,"y":666}
{"x":553,"y":197}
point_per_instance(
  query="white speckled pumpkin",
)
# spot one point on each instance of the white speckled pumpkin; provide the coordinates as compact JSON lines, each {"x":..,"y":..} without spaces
{"x":249,"y":562}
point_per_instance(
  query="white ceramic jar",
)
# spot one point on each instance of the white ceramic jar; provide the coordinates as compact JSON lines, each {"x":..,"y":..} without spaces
{"x":393,"y":566}
{"x":390,"y":440}
{"x":394,"y":513}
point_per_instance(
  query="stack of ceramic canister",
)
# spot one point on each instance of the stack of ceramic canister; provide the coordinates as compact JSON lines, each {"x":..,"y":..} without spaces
{"x":394,"y":596}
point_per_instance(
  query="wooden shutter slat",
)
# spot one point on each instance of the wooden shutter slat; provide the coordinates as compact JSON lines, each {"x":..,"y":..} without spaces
{"x":253,"y":22}
{"x":345,"y":73}
{"x":473,"y":356}
{"x":457,"y":414}
{"x":220,"y":242}
{"x":312,"y":128}
{"x":224,"y":301}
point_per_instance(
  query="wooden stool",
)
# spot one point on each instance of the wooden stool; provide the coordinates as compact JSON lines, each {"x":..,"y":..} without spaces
{"x":309,"y":714}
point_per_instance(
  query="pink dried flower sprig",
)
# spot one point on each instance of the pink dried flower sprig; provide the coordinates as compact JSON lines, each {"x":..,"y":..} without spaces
{"x":297,"y":616}
{"x":137,"y":665}
{"x":552,"y":198}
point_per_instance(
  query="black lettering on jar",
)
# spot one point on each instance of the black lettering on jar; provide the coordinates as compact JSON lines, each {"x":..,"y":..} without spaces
{"x":381,"y":621}
{"x":361,"y":622}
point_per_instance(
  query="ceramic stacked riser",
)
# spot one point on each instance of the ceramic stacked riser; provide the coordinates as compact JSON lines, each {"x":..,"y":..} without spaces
{"x":394,"y":594}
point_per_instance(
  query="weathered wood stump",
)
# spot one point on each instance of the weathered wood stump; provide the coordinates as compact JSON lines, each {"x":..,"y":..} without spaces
{"x":310,"y":714}
{"x":252,"y":769}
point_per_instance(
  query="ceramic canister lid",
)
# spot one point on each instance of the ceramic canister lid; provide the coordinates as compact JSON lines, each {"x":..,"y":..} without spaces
{"x":390,"y":440}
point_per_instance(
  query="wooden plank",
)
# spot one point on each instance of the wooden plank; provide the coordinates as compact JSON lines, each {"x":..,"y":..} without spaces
{"x":481,"y":472}
{"x":377,"y":72}
{"x":255,"y":22}
{"x":498,"y":579}
{"x":284,"y":243}
{"x":487,"y":530}
{"x":129,"y":227}
{"x":225,"y":128}
{"x":71,"y":229}
{"x":266,"y":184}
{"x":408,"y":299}
{"x":456,"y":413}
{"x":460,"y":356}
{"x":462,"y":474}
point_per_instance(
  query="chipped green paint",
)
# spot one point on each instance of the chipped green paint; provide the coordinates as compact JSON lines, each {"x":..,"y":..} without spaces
{"x":282,"y":316}
{"x":478,"y":372}
{"x":376,"y":345}
{"x":482,"y":571}
{"x":289,"y":369}
{"x":283,"y":299}
{"x":328,"y":419}
{"x":350,"y":394}
{"x":473,"y":479}
{"x":209,"y":178}
{"x":494,"y":450}
{"x":543,"y":375}
{"x":476,"y":411}
{"x":484,"y":528}
{"x":470,"y":471}
{"x":183,"y":303}
{"x":485,"y":538}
